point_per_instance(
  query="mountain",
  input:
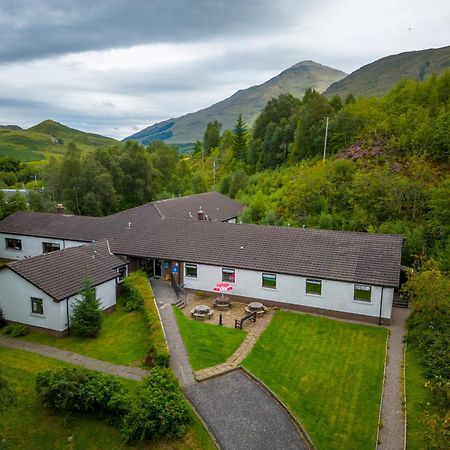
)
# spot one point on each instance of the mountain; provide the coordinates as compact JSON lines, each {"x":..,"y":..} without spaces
{"x":10,"y":127}
{"x":379,"y":77}
{"x":47,"y":138}
{"x":249,"y":102}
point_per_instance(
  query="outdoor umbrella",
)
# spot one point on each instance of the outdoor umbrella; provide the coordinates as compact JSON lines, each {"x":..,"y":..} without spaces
{"x":222,"y":287}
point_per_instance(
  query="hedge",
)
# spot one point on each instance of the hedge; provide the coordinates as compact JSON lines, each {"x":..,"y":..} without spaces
{"x":139,"y":295}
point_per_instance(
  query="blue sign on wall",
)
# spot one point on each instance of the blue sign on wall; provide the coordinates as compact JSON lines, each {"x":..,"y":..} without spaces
{"x":175,"y":269}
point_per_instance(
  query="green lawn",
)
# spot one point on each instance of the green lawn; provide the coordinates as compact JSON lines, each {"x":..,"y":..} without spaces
{"x":417,"y":397}
{"x":29,"y":425}
{"x":207,"y":344}
{"x":124,"y":339}
{"x":329,"y":373}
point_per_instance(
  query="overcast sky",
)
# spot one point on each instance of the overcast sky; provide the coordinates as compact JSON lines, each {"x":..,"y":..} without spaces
{"x":115,"y":67}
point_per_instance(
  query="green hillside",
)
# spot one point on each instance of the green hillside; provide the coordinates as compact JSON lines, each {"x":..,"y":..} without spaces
{"x":248,"y":102}
{"x":47,"y":138}
{"x":377,"y":78}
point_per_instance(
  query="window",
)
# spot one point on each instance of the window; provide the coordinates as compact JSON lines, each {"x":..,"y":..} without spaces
{"x":13,"y":244}
{"x":48,"y":247}
{"x":122,"y":273}
{"x":37,"y":305}
{"x":191,"y":270}
{"x":229,"y":275}
{"x":362,"y":293}
{"x":269,"y":281}
{"x":313,"y":286}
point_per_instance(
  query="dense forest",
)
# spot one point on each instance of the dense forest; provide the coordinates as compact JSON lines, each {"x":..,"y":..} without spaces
{"x":386,"y":170}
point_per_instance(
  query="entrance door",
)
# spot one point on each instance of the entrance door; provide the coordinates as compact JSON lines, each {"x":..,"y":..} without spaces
{"x":157,"y":266}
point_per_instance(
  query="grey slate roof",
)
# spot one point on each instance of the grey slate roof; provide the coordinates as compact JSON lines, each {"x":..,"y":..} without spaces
{"x":335,"y":255}
{"x":216,"y":206}
{"x":142,"y":232}
{"x":62,"y":273}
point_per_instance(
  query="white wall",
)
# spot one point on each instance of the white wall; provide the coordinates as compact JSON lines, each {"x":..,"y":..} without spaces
{"x":31,"y":246}
{"x":15,"y":298}
{"x":336,"y":295}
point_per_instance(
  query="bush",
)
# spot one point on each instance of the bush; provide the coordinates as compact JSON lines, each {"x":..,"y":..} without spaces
{"x":3,"y":321}
{"x":159,"y":411}
{"x":82,"y":390}
{"x":134,"y":301}
{"x":86,"y":318}
{"x":141,"y":292}
{"x":7,"y":394}
{"x":16,"y":330}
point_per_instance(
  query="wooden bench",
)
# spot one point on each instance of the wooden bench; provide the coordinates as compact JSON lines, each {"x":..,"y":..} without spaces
{"x":238,"y":323}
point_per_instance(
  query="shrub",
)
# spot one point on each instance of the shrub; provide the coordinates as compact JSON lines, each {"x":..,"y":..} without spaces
{"x":86,"y":318}
{"x":134,"y":301}
{"x":82,"y":390}
{"x":16,"y":330}
{"x":7,"y":394}
{"x":3,"y":321}
{"x":159,"y":411}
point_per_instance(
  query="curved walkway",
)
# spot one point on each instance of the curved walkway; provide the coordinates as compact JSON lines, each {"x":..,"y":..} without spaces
{"x":132,"y":373}
{"x":236,"y":409}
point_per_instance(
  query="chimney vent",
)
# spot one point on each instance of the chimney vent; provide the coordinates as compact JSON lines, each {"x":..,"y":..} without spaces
{"x":60,"y":208}
{"x":200,"y":214}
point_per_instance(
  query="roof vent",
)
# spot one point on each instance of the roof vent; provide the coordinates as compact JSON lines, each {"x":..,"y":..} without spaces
{"x":200,"y":214}
{"x":60,"y":208}
{"x":129,"y":225}
{"x":93,"y":247}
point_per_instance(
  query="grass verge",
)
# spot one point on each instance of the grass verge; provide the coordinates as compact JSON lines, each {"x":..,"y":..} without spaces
{"x":123,"y":339}
{"x":207,"y":344}
{"x":329,"y":374}
{"x":29,"y":425}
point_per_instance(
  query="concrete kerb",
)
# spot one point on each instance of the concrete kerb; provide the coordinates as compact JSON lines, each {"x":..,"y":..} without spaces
{"x":294,"y":419}
{"x":405,"y":411}
{"x":382,"y":390}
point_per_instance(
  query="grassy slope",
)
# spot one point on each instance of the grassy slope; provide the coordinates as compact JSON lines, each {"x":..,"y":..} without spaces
{"x":377,"y":78}
{"x":417,"y":397}
{"x":35,"y":144}
{"x":329,"y":373}
{"x":123,"y":339}
{"x":30,"y":426}
{"x":207,"y":345}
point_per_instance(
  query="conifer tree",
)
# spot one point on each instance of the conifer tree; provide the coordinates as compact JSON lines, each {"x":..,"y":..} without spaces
{"x":240,"y":140}
{"x":86,"y":314}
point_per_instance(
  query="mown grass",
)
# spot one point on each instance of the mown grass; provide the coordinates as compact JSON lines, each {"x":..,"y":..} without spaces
{"x":29,"y":425}
{"x":207,"y":344}
{"x":124,"y":339}
{"x":417,"y":399}
{"x":329,"y":373}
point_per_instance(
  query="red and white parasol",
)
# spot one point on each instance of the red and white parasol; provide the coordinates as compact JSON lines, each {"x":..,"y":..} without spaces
{"x":222,"y":287}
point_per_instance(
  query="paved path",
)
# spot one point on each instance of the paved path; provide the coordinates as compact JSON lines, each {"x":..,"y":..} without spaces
{"x":392,"y":432}
{"x":237,"y":410}
{"x":133,"y":373}
{"x":239,"y":355}
{"x":179,"y":361}
{"x":242,"y":415}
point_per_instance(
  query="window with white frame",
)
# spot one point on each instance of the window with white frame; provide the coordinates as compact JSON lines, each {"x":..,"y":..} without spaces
{"x":122,"y":273}
{"x":13,"y":244}
{"x":313,"y":286}
{"x":48,"y":247}
{"x":37,"y":305}
{"x":269,"y":280}
{"x":362,"y":293}
{"x":190,"y":270}
{"x":229,"y":275}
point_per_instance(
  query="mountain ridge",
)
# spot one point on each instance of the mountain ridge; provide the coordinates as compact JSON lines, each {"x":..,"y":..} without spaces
{"x":378,"y":77}
{"x":250,"y":102}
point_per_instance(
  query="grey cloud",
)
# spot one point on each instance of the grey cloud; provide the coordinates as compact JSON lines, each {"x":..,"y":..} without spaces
{"x":33,"y":29}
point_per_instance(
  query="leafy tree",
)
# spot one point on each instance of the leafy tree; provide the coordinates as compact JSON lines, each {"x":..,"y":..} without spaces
{"x":86,"y":314}
{"x":8,"y":396}
{"x":10,"y":164}
{"x":211,"y":138}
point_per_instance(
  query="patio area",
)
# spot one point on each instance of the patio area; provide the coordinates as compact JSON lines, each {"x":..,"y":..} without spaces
{"x":229,"y":315}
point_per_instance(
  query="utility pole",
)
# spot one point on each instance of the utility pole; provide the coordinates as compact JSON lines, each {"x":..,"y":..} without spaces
{"x":325,"y":143}
{"x":203,"y":160}
{"x":214,"y":172}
